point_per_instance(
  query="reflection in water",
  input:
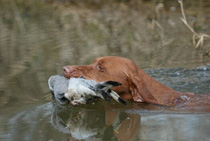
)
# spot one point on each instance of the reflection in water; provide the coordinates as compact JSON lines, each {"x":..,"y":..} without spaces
{"x":53,"y":122}
{"x":97,"y":124}
{"x":72,"y":123}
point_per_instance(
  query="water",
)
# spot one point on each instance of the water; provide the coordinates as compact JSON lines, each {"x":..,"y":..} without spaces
{"x":37,"y":39}
{"x":37,"y":120}
{"x":50,"y":122}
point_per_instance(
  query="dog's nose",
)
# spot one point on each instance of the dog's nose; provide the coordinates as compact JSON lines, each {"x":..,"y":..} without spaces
{"x":68,"y":69}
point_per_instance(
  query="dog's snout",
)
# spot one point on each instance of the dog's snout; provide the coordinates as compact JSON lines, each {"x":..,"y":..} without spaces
{"x":67,"y":69}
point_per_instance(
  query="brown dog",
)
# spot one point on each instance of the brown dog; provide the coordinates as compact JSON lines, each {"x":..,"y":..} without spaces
{"x":136,"y":84}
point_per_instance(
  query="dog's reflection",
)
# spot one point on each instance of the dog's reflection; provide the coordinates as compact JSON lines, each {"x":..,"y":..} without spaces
{"x":81,"y":123}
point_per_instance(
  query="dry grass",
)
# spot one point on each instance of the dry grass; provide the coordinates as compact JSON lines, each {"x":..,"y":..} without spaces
{"x":198,"y":38}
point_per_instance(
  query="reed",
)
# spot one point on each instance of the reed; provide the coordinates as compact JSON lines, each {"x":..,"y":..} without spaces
{"x":197,"y":38}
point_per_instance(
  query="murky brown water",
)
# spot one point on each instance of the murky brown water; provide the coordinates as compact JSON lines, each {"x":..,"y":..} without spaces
{"x":38,"y":38}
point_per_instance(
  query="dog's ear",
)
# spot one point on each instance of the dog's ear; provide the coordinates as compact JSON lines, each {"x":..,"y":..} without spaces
{"x":139,"y":90}
{"x":133,"y":87}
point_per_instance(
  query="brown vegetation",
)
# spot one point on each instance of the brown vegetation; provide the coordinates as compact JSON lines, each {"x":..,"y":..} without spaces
{"x":198,"y":38}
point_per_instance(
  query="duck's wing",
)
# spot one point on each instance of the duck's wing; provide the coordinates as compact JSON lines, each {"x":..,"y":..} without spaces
{"x":100,"y":93}
{"x":106,"y":85}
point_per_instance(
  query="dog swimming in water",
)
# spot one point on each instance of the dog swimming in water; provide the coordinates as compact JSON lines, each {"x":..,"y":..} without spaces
{"x":80,"y":90}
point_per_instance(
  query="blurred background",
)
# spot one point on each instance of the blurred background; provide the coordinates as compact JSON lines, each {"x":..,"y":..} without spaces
{"x":39,"y":37}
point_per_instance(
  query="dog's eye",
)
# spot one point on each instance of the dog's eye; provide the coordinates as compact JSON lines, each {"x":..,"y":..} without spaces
{"x":72,"y":98}
{"x":100,"y":68}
